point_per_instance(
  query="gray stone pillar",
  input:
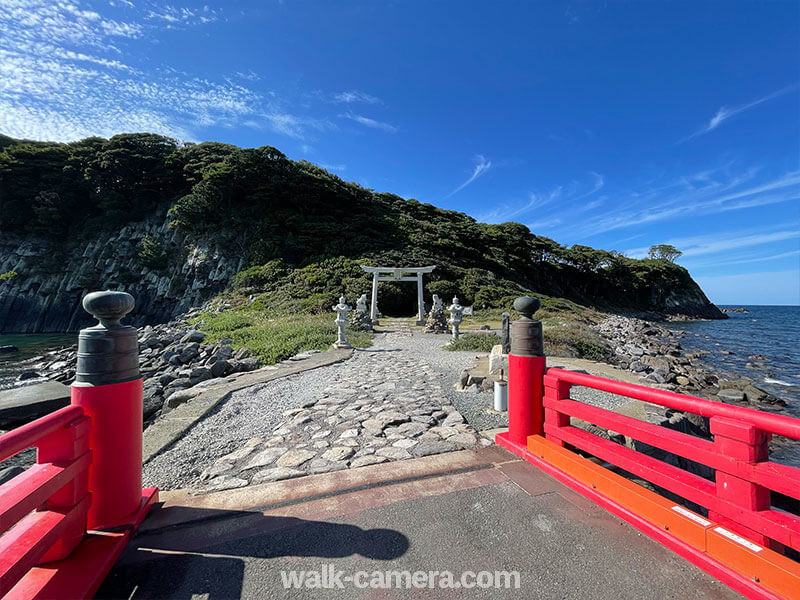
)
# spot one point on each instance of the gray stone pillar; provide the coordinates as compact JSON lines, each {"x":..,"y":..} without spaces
{"x":373,"y":307}
{"x":505,"y":333}
{"x":420,"y":301}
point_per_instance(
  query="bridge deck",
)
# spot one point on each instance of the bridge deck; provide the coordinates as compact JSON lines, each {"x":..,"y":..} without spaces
{"x":483,"y":510}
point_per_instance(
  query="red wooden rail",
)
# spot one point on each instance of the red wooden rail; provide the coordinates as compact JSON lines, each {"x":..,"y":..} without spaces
{"x":43,"y":511}
{"x":739,"y":496}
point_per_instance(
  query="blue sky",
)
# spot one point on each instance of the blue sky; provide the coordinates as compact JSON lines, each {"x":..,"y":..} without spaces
{"x":612,"y":124}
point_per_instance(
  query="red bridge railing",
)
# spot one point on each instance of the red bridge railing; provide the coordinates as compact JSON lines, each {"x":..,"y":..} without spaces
{"x":43,"y":510}
{"x":738,"y":498}
{"x":741,"y":537}
{"x":65,"y":520}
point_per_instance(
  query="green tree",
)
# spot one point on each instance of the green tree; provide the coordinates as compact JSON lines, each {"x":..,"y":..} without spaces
{"x":664,"y":252}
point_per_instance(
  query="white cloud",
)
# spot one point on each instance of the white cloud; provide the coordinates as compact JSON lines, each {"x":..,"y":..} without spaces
{"x":721,"y":243}
{"x":64,"y":76}
{"x":367,"y":122}
{"x":481,"y":166}
{"x":724,"y":113}
{"x":356,"y":96}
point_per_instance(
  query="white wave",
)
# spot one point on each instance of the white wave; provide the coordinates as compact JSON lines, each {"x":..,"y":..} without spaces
{"x":777,"y":381}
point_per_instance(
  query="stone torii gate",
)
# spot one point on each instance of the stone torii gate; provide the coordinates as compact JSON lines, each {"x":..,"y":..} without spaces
{"x":397,"y":274}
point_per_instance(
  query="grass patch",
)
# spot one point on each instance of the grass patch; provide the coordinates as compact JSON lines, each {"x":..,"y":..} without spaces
{"x":574,"y":341}
{"x":273,"y":338}
{"x":474,"y":342}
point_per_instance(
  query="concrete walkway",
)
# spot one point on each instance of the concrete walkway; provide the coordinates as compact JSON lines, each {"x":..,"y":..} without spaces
{"x":473,"y":510}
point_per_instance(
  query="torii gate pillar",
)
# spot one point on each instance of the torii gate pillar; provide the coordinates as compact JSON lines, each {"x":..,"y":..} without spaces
{"x":397,"y":274}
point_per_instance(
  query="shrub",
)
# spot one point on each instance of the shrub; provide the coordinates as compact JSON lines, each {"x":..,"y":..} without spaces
{"x":152,"y":253}
{"x":474,"y":342}
{"x":260,"y":276}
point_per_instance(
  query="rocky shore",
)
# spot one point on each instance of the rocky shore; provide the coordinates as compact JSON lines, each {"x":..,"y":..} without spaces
{"x":173,"y":360}
{"x":655,"y":353}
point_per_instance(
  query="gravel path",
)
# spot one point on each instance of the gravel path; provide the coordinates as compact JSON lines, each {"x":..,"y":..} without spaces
{"x":401,"y":373}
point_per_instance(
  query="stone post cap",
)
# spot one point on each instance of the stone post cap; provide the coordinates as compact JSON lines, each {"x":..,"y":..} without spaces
{"x":108,"y":307}
{"x":527,"y":305}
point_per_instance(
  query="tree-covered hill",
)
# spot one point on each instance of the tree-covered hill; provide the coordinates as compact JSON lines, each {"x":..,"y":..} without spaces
{"x":302,"y":231}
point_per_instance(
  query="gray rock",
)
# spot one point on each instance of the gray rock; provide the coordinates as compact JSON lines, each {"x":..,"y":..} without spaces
{"x":338,"y":453}
{"x":264,"y":458}
{"x":189,"y":352}
{"x":363,"y":461}
{"x":426,"y":448}
{"x":193,"y":336}
{"x":730,"y":395}
{"x":276,"y":474}
{"x":219,"y":368}
{"x":225,"y":483}
{"x":393,"y":453}
{"x":180,"y":397}
{"x":295,"y":458}
{"x":10,"y":473}
{"x":166,"y":379}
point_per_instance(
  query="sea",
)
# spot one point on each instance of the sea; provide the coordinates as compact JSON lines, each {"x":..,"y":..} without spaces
{"x":772,"y":332}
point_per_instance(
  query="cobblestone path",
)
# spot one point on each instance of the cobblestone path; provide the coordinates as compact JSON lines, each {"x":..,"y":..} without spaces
{"x":382,"y":405}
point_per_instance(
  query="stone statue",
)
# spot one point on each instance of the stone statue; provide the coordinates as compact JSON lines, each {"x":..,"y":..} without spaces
{"x":341,"y":310}
{"x":456,"y":316}
{"x":360,"y":318}
{"x":437,"y":322}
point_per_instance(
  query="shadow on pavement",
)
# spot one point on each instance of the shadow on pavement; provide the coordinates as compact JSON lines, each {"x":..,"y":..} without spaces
{"x":205,"y":553}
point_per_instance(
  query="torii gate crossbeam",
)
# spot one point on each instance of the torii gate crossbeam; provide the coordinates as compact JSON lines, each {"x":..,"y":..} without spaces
{"x":397,"y":274}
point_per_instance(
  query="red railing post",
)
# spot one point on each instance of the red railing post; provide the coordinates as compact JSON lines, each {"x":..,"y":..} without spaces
{"x":741,"y":443}
{"x":109,"y":389}
{"x":63,"y":447}
{"x":526,"y":367}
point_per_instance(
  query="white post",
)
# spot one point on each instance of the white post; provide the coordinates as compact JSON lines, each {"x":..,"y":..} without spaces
{"x":420,"y":301}
{"x":373,"y":308}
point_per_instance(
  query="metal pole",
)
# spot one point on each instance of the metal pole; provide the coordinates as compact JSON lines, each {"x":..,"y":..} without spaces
{"x":109,"y":389}
{"x":526,"y":367}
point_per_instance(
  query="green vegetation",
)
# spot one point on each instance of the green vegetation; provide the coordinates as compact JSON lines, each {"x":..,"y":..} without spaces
{"x":303,"y":231}
{"x":273,"y":338}
{"x":664,"y":252}
{"x":152,"y":254}
{"x":8,"y":275}
{"x":474,"y":342}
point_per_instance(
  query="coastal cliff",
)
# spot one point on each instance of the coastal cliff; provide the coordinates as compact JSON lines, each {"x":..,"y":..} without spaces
{"x":51,"y":280}
{"x":175,"y":224}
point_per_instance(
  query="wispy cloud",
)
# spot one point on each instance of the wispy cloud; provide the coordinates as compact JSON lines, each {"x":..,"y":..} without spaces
{"x":571,"y":196}
{"x":725,"y":242}
{"x":328,"y":167}
{"x":68,"y":72}
{"x":372,"y":123}
{"x":724,"y":113}
{"x":725,"y":193}
{"x":352,"y":96}
{"x":481,"y":166}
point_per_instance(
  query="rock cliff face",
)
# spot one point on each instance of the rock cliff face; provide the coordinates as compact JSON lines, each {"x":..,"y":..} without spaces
{"x":52,"y":278}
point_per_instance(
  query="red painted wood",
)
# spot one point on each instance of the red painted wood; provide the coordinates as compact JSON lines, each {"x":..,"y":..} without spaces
{"x":781,"y":527}
{"x":525,"y":412}
{"x":30,"y":490}
{"x":115,"y":476}
{"x":25,"y":544}
{"x":777,"y":424}
{"x":682,"y":444}
{"x":734,"y":580}
{"x":27,"y":435}
{"x":683,"y":483}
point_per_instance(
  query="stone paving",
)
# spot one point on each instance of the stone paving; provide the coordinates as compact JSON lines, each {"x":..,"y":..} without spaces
{"x":380,"y":406}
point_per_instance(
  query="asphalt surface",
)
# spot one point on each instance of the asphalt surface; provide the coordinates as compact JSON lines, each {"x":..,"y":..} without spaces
{"x":496,"y":514}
